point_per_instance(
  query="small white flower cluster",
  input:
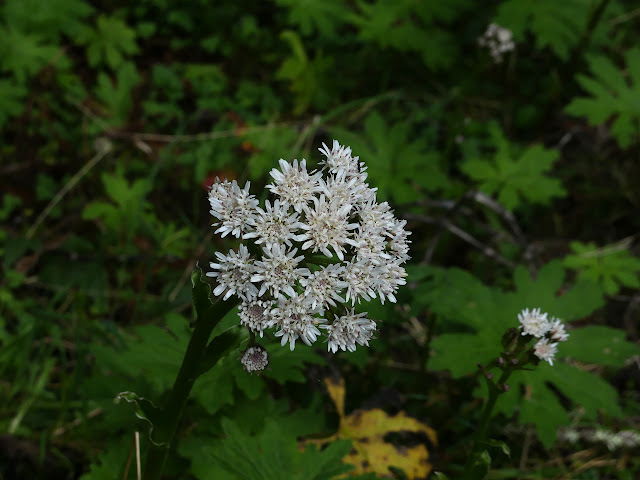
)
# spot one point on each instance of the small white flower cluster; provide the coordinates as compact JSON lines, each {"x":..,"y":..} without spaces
{"x":324,"y":241}
{"x":548,"y":331}
{"x":613,"y":440}
{"x":498,"y":40}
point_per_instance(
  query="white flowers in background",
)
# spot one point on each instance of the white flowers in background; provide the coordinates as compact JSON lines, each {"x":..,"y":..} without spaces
{"x":613,"y":440}
{"x":548,"y":332}
{"x":324,"y":242}
{"x":498,"y":40}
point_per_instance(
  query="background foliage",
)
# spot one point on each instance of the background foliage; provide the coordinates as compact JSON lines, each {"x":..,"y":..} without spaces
{"x":517,"y":179}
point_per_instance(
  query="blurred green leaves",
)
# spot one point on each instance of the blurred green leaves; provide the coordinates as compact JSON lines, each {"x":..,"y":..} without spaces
{"x":109,"y":43}
{"x":513,"y":175}
{"x":613,"y":93}
{"x":482,"y":314}
{"x":612,"y":266}
{"x":400,"y":164}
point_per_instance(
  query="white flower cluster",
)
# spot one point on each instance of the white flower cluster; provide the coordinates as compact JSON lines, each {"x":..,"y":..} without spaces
{"x":498,"y":40}
{"x":548,"y":331}
{"x":613,"y":440}
{"x":323,"y":242}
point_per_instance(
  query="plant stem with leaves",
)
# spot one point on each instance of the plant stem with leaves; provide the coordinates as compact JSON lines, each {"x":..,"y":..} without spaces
{"x":199,"y":357}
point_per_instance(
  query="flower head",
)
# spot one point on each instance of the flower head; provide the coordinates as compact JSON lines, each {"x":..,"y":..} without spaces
{"x":294,"y":185}
{"x":556,"y":330}
{"x":349,"y":329}
{"x":278,"y":271}
{"x":545,"y":350}
{"x":321,"y":242}
{"x":234,"y":274}
{"x":533,"y":322}
{"x":234,"y":207}
{"x":498,"y":40}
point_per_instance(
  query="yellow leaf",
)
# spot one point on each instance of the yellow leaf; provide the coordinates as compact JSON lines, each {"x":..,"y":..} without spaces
{"x":367,"y":430}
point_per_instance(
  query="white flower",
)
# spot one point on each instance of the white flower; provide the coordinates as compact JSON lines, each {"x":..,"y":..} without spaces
{"x":328,"y":213}
{"x":556,"y":330}
{"x":376,"y":217}
{"x":278,"y":271}
{"x":235,"y":207}
{"x":294,"y":185}
{"x":360,"y":280}
{"x":296,"y":319}
{"x":533,"y":322}
{"x":545,"y":350}
{"x":234,"y":275}
{"x":255,"y":359}
{"x":342,"y":189}
{"x":323,"y":286}
{"x":326,"y":226}
{"x":498,"y":40}
{"x":388,"y":277}
{"x":399,"y":244}
{"x":275,"y":225}
{"x":339,"y":159}
{"x":349,"y":329}
{"x":256,"y":315}
{"x":370,"y":247}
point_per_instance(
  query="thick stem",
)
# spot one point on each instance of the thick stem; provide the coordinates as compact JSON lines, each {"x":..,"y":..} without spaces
{"x":164,"y":432}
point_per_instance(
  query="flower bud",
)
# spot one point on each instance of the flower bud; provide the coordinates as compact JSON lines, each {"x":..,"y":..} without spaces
{"x":255,"y":359}
{"x":510,"y":339}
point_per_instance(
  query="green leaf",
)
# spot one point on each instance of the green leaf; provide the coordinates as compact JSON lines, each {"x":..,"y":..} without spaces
{"x":599,"y":344}
{"x":24,"y":55}
{"x":540,"y":404}
{"x":399,"y":164}
{"x":12,"y":97}
{"x":323,"y":16}
{"x":111,"y":464}
{"x":50,"y":19}
{"x":308,"y":76}
{"x":611,"y":266}
{"x":408,"y":26}
{"x":109,"y":43}
{"x":558,"y":25}
{"x":273,"y":454}
{"x":515,"y":177}
{"x":287,"y":366}
{"x":612,"y":95}
{"x":482,"y":314}
{"x":116,"y":95}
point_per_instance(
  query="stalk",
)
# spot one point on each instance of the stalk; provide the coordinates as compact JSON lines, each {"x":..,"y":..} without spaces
{"x":164,"y":432}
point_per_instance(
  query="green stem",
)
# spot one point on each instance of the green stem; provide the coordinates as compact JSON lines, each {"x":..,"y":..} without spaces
{"x":481,"y":431}
{"x":166,"y":429}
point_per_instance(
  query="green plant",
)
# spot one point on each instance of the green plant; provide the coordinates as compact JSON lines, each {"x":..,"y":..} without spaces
{"x":612,"y":266}
{"x":515,"y":176}
{"x":612,"y":94}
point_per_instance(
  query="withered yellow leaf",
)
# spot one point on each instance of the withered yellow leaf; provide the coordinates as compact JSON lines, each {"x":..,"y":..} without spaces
{"x":367,"y":430}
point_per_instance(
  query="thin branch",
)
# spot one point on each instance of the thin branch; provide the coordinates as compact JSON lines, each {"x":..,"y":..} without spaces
{"x":446,"y":225}
{"x":102,"y":152}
